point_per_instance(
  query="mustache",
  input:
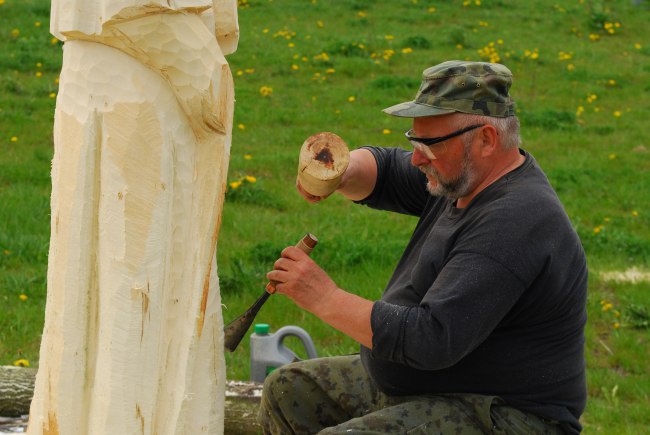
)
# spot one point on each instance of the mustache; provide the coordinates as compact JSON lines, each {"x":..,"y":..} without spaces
{"x":429,"y":170}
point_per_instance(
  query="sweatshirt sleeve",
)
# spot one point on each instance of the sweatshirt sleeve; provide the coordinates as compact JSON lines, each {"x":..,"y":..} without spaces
{"x":400,"y":187}
{"x":455,"y":316}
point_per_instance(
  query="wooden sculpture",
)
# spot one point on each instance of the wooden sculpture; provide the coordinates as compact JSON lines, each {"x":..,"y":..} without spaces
{"x":133,"y":337}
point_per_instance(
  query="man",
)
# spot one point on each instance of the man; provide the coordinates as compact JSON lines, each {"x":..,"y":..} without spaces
{"x":481,"y":327}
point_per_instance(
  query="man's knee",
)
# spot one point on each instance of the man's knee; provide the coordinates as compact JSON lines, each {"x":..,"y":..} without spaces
{"x":277,"y":385}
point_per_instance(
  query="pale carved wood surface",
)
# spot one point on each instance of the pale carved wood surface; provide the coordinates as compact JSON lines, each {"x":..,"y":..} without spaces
{"x":17,"y":387}
{"x":133,"y":339}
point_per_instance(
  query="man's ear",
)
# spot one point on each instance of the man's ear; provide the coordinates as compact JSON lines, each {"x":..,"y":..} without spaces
{"x":488,"y":138}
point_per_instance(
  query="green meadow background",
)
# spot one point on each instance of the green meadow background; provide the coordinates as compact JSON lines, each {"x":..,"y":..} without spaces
{"x":582,"y":82}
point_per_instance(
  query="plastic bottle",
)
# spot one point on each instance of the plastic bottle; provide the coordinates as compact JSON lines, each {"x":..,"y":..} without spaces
{"x":268,"y":350}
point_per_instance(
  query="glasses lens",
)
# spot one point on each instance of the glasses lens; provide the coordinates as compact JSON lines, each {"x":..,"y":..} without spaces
{"x":426,"y":150}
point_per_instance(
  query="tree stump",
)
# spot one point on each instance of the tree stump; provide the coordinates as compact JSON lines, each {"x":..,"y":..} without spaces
{"x":17,"y":387}
{"x":16,"y":390}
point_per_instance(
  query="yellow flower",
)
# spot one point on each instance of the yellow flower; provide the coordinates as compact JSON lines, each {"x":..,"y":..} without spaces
{"x":594,"y":37}
{"x":15,"y":33}
{"x":37,"y":24}
{"x":617,"y":113}
{"x":612,"y":156}
{"x":250,"y":70}
{"x":389,"y":37}
{"x":431,"y":10}
{"x":361,"y":14}
{"x":2,"y":2}
{"x":265,"y":31}
{"x":580,"y":110}
{"x":53,"y":41}
{"x":607,"y":306}
{"x":611,"y":82}
{"x":295,"y":67}
{"x":14,"y":138}
{"x":635,"y":213}
{"x":22,"y":297}
{"x":407,"y":50}
{"x":330,"y":70}
{"x":459,"y":46}
{"x":39,"y":74}
{"x":235,"y":184}
{"x":52,"y":94}
{"x":250,"y":179}
{"x":247,"y":156}
{"x":241,"y":126}
{"x":352,"y":98}
{"x":266,"y":91}
{"x":240,"y":73}
{"x":386,"y":131}
{"x":291,"y":45}
{"x":570,"y":67}
{"x":616,"y":325}
{"x":320,"y":24}
{"x":21,"y":363}
{"x":637,"y":46}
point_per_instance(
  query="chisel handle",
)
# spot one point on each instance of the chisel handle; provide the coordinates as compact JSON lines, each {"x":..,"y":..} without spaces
{"x":306,"y":245}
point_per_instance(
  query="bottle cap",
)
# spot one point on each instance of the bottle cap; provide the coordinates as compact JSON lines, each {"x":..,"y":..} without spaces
{"x":261,"y":329}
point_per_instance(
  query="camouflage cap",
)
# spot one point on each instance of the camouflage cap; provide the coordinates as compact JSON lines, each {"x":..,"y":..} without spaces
{"x":478,"y":88}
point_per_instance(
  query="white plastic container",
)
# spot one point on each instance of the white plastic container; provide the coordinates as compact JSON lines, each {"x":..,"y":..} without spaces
{"x":269,"y":352}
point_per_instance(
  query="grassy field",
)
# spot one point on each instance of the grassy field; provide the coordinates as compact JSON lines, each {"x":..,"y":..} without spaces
{"x":581,"y":83}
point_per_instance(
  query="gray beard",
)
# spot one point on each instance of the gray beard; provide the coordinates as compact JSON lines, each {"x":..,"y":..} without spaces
{"x":452,"y":188}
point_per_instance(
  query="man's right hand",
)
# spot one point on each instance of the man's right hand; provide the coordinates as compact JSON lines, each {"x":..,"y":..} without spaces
{"x":308,"y":196}
{"x":358,"y":180}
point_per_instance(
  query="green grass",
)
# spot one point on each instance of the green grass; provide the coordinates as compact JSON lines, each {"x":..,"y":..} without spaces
{"x":596,"y":157}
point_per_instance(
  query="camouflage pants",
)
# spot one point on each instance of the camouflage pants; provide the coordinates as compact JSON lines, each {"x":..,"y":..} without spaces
{"x":335,"y":395}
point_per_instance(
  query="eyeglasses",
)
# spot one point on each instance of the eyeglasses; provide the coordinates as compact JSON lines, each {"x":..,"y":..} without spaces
{"x":423,"y":144}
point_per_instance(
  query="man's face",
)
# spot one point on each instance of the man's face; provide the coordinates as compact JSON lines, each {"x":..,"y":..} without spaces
{"x":451,"y":173}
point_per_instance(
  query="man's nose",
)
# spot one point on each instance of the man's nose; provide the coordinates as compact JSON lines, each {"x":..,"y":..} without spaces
{"x":419,"y":159}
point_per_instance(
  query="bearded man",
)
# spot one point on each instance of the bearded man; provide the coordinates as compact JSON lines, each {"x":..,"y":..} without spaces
{"x":481,"y":327}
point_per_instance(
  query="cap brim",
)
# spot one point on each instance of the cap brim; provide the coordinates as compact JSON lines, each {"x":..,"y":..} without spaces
{"x":411,"y":109}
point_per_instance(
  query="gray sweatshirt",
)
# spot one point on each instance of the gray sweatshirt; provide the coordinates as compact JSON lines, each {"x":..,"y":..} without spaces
{"x":489,"y":299}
